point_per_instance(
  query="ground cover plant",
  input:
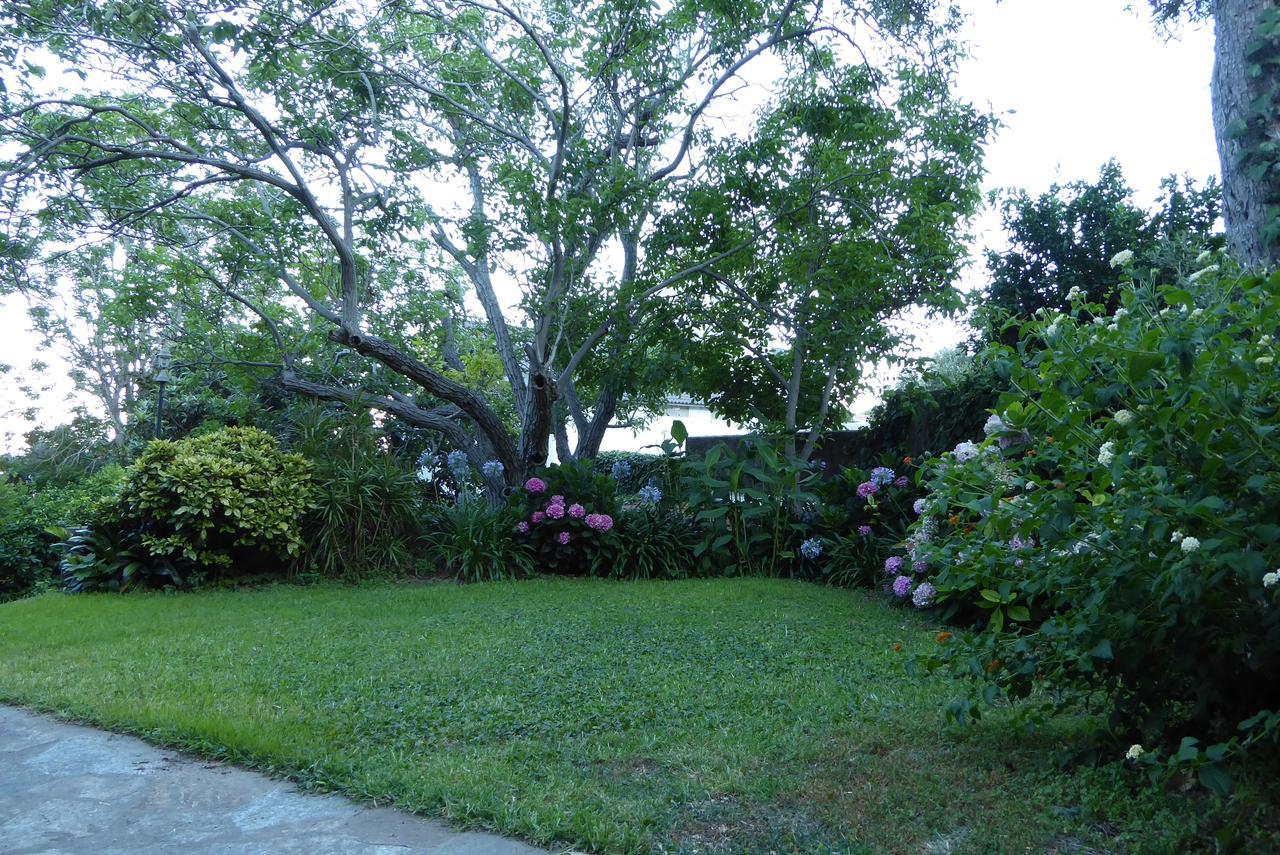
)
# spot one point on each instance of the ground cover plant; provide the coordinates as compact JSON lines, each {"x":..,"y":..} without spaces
{"x":741,"y":715}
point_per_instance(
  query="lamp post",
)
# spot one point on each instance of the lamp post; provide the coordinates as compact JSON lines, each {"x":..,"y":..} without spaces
{"x":162,"y":377}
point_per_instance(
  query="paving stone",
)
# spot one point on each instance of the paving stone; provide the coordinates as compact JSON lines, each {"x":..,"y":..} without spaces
{"x":71,"y":790}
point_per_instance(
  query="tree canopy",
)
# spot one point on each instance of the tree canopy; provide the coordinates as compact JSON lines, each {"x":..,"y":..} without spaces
{"x":356,"y":178}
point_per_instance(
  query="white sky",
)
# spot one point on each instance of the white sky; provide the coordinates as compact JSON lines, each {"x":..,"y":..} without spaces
{"x":1075,"y":81}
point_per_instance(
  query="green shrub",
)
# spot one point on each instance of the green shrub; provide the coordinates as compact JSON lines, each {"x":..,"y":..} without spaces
{"x":364,"y":519}
{"x":632,"y":470}
{"x":28,"y":552}
{"x":656,"y":544}
{"x":219,"y":500}
{"x":476,"y":542}
{"x":751,"y":504}
{"x":111,"y":558}
{"x":1117,"y":536}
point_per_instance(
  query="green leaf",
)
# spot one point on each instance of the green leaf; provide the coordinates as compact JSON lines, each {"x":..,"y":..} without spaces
{"x":679,"y":432}
{"x":1215,"y":779}
{"x":1102,"y":650}
{"x":1019,"y":613}
{"x":990,"y":596}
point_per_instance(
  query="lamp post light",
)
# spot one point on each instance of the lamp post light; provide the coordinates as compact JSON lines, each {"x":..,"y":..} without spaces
{"x":162,"y":377}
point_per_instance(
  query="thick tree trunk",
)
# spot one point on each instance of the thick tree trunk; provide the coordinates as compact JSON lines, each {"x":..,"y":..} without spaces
{"x":1244,"y":198}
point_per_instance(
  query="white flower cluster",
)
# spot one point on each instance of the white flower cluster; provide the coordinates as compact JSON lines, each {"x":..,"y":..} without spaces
{"x":1271,"y":579}
{"x":1123,"y":417}
{"x":1188,"y":543}
{"x":994,"y":425}
{"x":1122,"y":257}
{"x":1135,"y":751}
{"x":1107,"y":453}
{"x":965,"y":451}
{"x":1075,"y":293}
{"x":1202,"y":273}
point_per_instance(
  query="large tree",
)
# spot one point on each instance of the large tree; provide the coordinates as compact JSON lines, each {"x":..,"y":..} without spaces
{"x":304,"y":151}
{"x":1246,"y":117}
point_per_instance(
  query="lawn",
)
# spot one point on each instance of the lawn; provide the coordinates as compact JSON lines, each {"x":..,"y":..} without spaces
{"x":702,"y":716}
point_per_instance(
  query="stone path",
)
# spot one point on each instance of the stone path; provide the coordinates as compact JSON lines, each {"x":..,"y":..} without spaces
{"x":68,"y":789}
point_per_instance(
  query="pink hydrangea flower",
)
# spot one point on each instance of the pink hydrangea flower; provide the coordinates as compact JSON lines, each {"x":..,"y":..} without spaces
{"x":535,"y":485}
{"x":522,"y":527}
{"x":555,"y":512}
{"x":901,"y":481}
{"x":577,"y":511}
{"x":867,"y":489}
{"x":563,"y":537}
{"x":538,"y":516}
{"x":557,"y":500}
{"x":600,"y":522}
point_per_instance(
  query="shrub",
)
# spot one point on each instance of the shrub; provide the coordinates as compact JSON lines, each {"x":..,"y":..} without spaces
{"x":365,"y":516}
{"x":475,"y":542}
{"x":1117,"y":536}
{"x":632,"y":470}
{"x":657,"y":544}
{"x":751,"y":504}
{"x":566,"y":514}
{"x":111,"y":558}
{"x":214,"y":500}
{"x":28,"y":552}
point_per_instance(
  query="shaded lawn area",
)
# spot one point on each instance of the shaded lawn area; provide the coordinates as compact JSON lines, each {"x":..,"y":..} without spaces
{"x":744,"y":715}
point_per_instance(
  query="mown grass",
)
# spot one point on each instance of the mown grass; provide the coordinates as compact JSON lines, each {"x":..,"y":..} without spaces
{"x":700,"y":716}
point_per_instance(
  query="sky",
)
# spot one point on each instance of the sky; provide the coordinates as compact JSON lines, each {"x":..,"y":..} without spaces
{"x":1075,"y":82}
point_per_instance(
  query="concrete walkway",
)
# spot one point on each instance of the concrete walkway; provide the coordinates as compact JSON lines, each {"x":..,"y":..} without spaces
{"x":69,"y":789}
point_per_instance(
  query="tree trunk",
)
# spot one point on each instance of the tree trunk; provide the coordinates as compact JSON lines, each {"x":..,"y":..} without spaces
{"x":1244,"y":198}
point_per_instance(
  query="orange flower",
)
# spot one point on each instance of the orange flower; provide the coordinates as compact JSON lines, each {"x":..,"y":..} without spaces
{"x":995,"y":663}
{"x":897,"y":648}
{"x":1049,"y":440}
{"x":907,"y":460}
{"x":968,"y":529}
{"x":942,"y":636}
{"x":954,"y":520}
{"x":1031,"y":453}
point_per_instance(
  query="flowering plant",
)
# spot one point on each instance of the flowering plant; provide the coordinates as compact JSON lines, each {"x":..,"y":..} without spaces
{"x":567,"y":515}
{"x":1122,"y":550}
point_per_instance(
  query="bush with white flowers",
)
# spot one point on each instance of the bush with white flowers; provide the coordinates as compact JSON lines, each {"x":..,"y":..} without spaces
{"x":1126,"y":551}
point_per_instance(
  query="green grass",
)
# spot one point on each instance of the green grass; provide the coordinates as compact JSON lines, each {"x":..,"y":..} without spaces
{"x":700,"y":716}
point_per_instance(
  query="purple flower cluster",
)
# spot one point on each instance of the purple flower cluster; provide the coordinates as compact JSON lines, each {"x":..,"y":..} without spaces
{"x":867,"y":489}
{"x":902,"y":586}
{"x":924,"y":595}
{"x":893,"y":565}
{"x":557,"y":510}
{"x":864,"y":530}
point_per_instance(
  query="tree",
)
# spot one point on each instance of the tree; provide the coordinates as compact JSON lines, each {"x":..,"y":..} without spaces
{"x":867,"y":180}
{"x":1065,"y":238}
{"x":1246,"y":117}
{"x":307,"y":154}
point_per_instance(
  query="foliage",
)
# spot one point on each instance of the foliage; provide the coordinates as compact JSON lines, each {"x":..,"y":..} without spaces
{"x":658,"y":543}
{"x":927,"y":411}
{"x":60,"y":455}
{"x":365,"y":515}
{"x":1115,"y":538}
{"x":223,"y":502}
{"x":867,"y":179}
{"x":632,"y":470}
{"x":111,"y":557}
{"x":224,"y":137}
{"x":1066,"y":237}
{"x":567,"y":515}
{"x":476,"y":542}
{"x":749,"y":504}
{"x":28,"y":553}
{"x":602,"y":717}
